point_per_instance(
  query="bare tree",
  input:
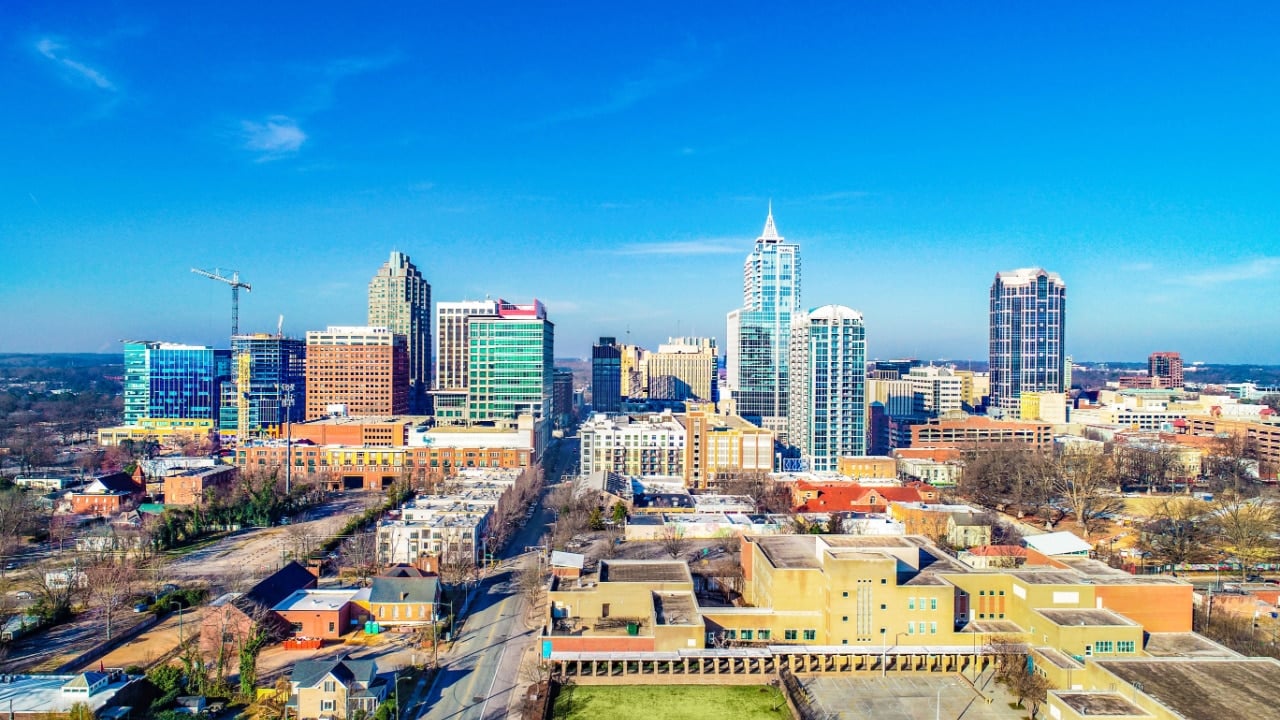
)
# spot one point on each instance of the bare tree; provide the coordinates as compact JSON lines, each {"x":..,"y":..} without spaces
{"x":1155,"y":468}
{"x":1246,"y":528}
{"x":1009,"y":477}
{"x":456,"y":568}
{"x":58,"y":586}
{"x":1180,"y":530}
{"x":1232,"y":465}
{"x":360,"y":553}
{"x":673,"y":540}
{"x":112,"y":583}
{"x":1086,"y":484}
{"x":19,"y":515}
{"x":531,"y":581}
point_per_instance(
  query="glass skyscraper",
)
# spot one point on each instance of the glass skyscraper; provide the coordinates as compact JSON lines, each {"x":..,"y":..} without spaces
{"x":511,"y":363}
{"x":827,"y":419}
{"x":1028,"y":321}
{"x":606,"y":376}
{"x":166,"y":380}
{"x":757,"y":361}
{"x":272,"y":361}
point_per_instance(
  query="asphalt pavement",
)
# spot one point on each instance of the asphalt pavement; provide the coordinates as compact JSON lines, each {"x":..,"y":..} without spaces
{"x":480,"y":674}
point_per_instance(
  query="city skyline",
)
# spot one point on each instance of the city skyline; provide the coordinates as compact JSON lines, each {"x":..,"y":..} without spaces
{"x":937,"y":149}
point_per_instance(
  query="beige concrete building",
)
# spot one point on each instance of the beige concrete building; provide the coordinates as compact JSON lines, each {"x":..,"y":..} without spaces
{"x":682,"y":369}
{"x":718,"y":447}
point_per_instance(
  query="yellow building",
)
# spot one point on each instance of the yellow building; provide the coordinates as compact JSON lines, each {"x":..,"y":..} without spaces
{"x":165,"y":431}
{"x":683,"y":368}
{"x":717,"y":447}
{"x":1050,"y":407}
{"x":871,"y":466}
{"x":974,"y":387}
{"x":635,"y":375}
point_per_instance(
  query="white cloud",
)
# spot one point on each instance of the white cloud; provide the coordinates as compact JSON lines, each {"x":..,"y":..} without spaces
{"x":276,"y":137}
{"x":1249,"y":270}
{"x":52,"y":49}
{"x":707,"y":246}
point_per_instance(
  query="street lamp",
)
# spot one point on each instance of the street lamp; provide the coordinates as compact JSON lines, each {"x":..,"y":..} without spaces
{"x":884,"y":652}
{"x":286,"y":402}
{"x":179,"y":606}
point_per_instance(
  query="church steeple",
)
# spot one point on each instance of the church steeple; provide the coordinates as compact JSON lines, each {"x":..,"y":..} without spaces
{"x":770,"y":233}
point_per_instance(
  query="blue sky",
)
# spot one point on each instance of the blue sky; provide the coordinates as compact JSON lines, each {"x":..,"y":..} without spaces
{"x":616,"y":163}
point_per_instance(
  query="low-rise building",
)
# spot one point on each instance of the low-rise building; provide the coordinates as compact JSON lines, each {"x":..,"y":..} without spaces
{"x":106,"y":495}
{"x":42,"y":697}
{"x":165,"y":432}
{"x":979,"y":433}
{"x":339,"y":689}
{"x":869,"y":466}
{"x":324,"y":614}
{"x":197,"y":486}
{"x":401,"y":601}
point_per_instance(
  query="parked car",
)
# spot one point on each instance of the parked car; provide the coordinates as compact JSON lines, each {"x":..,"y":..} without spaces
{"x":142,"y":607}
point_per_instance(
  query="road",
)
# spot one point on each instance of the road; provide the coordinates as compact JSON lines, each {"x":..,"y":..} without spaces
{"x":480,"y":674}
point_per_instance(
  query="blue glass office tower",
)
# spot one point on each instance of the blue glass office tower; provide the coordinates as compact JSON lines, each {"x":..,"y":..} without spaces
{"x":758,"y":333}
{"x":165,"y":380}
{"x":827,"y":419}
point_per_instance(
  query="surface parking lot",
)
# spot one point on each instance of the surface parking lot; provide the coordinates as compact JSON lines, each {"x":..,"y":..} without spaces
{"x":908,"y":698}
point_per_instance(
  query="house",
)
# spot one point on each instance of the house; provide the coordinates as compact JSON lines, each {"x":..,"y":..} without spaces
{"x":324,"y":614}
{"x":337,"y":689}
{"x":231,"y":617}
{"x":957,"y":526}
{"x":811,"y":497}
{"x":106,"y":495}
{"x":395,"y":601}
{"x":983,"y":557}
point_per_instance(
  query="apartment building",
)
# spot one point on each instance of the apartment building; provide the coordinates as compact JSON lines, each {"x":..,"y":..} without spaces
{"x":356,"y":371}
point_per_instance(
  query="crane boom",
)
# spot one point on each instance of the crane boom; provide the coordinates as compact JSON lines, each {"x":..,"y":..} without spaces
{"x":234,"y":282}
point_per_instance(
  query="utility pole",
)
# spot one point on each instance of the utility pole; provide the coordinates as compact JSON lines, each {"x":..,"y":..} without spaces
{"x":286,"y":403}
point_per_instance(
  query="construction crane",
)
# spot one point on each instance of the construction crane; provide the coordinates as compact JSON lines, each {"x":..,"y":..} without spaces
{"x":234,"y":282}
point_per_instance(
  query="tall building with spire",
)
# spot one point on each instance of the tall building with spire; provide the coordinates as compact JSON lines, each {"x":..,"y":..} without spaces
{"x":400,"y":300}
{"x":757,"y":338}
{"x":1028,"y":325}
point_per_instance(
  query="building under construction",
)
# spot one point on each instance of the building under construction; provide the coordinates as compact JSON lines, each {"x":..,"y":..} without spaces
{"x":255,"y":400}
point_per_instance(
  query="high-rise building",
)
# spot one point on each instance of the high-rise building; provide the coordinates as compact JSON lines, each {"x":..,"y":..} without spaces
{"x":452,"y":340}
{"x":357,"y":371}
{"x":935,"y":390}
{"x":606,"y":376}
{"x":563,"y":411}
{"x":893,"y":369}
{"x":168,"y":380}
{"x":758,"y":333}
{"x":684,"y":369}
{"x":400,"y":300}
{"x":261,"y":366}
{"x":511,"y":365}
{"x":1166,"y":369}
{"x":1028,"y":320}
{"x":635,"y":372}
{"x":827,"y":418}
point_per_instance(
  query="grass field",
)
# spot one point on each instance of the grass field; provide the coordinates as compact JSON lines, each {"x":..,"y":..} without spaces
{"x":703,"y":702}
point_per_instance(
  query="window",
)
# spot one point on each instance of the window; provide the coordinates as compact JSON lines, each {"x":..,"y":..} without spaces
{"x":933,"y":628}
{"x":330,"y":627}
{"x":844,"y":618}
{"x":763,"y":634}
{"x":911,"y":603}
{"x":1124,"y":646}
{"x":1103,"y":646}
{"x":746,"y":634}
{"x":789,"y":634}
{"x":810,"y":634}
{"x":326,"y":705}
{"x":730,"y":634}
{"x":884,"y":581}
{"x":911,"y":629}
{"x":845,"y":593}
{"x":933,"y":603}
{"x":920,"y":627}
{"x":330,"y":686}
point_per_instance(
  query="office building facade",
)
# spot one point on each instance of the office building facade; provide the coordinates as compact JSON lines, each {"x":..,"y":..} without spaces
{"x":1027,"y":333}
{"x":452,"y":340}
{"x":606,"y":376}
{"x":510,"y":364}
{"x":934,"y":390}
{"x":564,"y":413}
{"x":827,"y":417}
{"x":173,"y":381}
{"x":356,"y":371}
{"x":684,"y":369}
{"x":1166,"y":369}
{"x":262,"y":366}
{"x":758,"y":333}
{"x":400,"y":300}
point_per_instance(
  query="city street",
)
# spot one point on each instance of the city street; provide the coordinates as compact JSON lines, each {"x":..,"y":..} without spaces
{"x":479,"y":676}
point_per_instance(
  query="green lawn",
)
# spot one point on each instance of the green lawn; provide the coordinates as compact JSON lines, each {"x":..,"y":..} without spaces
{"x":644,"y":702}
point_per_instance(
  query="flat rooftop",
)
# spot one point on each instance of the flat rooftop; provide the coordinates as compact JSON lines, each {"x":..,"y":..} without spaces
{"x":1186,"y":644}
{"x":370,"y":420}
{"x":792,"y":552}
{"x":1100,"y":704}
{"x":1046,"y":577}
{"x":315,"y":601}
{"x":675,"y":609}
{"x":1203,"y":687}
{"x":1059,"y":658}
{"x":1085,"y":616}
{"x":644,"y":571}
{"x":993,"y":626}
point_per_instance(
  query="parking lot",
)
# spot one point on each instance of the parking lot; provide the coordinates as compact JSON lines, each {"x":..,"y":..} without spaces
{"x":912,"y":697}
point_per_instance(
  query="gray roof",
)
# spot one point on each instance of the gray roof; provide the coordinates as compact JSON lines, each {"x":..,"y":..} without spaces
{"x":404,"y":590}
{"x":309,"y":673}
{"x":567,"y":559}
